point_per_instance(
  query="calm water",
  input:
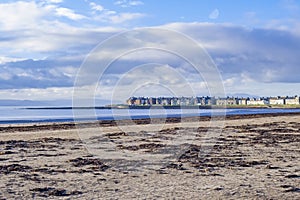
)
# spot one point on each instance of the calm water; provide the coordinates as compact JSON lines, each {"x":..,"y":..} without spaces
{"x":11,"y":115}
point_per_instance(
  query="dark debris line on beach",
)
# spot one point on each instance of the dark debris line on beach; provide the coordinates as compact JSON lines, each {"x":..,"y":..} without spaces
{"x":50,"y":191}
{"x":95,"y":162}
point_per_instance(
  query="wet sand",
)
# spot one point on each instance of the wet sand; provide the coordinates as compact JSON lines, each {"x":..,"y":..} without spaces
{"x":243,"y":157}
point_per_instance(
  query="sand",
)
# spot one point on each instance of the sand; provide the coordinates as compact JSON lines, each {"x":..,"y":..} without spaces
{"x":242,"y":157}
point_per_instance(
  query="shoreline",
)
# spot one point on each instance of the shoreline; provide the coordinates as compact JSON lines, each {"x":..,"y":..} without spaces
{"x":23,"y":127}
{"x":109,"y":107}
{"x":66,"y":116}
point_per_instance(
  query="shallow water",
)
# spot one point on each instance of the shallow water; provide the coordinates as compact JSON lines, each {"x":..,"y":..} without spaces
{"x":12,"y":115}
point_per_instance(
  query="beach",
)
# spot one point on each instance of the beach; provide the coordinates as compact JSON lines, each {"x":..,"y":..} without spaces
{"x":235,"y":157}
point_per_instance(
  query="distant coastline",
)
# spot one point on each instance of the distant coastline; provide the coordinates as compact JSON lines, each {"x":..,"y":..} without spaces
{"x":123,"y":106}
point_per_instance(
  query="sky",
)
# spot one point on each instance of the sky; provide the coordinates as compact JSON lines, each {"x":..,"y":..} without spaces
{"x":254,"y":46}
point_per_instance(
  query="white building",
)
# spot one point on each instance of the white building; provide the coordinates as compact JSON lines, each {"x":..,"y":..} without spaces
{"x":277,"y":101}
{"x":243,"y":101}
{"x":257,"y":102}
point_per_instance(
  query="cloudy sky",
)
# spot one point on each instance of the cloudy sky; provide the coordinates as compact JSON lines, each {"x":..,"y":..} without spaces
{"x":254,"y":45}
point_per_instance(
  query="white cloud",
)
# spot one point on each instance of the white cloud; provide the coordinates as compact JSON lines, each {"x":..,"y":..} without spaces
{"x":54,"y":1}
{"x":5,"y":76}
{"x":4,"y":59}
{"x":51,"y":93}
{"x":66,"y":12}
{"x":244,"y":56}
{"x":96,"y":7}
{"x":122,"y":17}
{"x":287,"y":25}
{"x":214,"y":14}
{"x":112,"y":17}
{"x":27,"y":33}
{"x":135,"y":3}
{"x":150,"y":80}
{"x":128,"y":3}
{"x":21,"y":15}
{"x":119,"y":2}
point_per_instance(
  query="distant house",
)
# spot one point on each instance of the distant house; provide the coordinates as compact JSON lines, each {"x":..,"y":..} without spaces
{"x":232,"y":101}
{"x":184,"y":101}
{"x":138,"y":101}
{"x":221,"y":101}
{"x":292,"y":100}
{"x":166,"y":101}
{"x":131,"y":101}
{"x":277,"y":100}
{"x":243,"y":101}
{"x":207,"y":101}
{"x":158,"y":101}
{"x":152,"y":101}
{"x":202,"y":101}
{"x":227,"y":101}
{"x":259,"y":101}
{"x":174,"y":101}
{"x":211,"y":101}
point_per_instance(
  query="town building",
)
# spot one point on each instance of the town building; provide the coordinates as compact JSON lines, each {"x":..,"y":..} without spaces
{"x":242,"y":101}
{"x":131,"y":101}
{"x":232,"y":101}
{"x":276,"y":100}
{"x":208,"y":101}
{"x":152,"y":101}
{"x":221,"y":101}
{"x":257,"y":101}
{"x":292,"y":100}
{"x":227,"y":101}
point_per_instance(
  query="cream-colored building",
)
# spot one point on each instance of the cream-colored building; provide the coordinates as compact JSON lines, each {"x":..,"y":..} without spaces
{"x":292,"y":100}
{"x":277,"y":101}
{"x":243,"y":101}
{"x":257,"y":102}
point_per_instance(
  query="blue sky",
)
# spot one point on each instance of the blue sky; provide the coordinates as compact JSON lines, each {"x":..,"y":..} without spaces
{"x":255,"y":44}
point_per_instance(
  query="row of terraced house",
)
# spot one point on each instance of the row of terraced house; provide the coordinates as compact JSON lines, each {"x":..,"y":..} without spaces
{"x":207,"y":101}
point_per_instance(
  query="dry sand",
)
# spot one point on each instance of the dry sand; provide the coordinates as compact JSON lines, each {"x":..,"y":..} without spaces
{"x":251,"y":157}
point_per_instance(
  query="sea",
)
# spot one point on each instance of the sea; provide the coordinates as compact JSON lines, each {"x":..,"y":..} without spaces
{"x":20,"y":115}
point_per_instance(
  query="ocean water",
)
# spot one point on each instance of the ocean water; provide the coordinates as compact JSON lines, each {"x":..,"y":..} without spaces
{"x":13,"y":115}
